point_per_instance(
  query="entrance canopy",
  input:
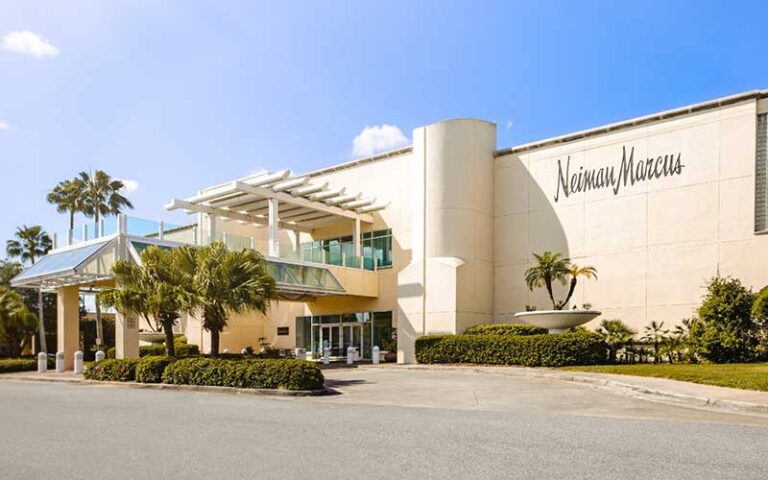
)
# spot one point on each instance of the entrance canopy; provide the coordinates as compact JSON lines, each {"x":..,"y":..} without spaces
{"x":302,"y":205}
{"x":84,"y":264}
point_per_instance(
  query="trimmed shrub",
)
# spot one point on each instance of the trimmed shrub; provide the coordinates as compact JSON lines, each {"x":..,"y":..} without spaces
{"x":150,"y":369}
{"x":8,"y":365}
{"x":551,"y":350}
{"x":113,"y":370}
{"x":506,"y":329}
{"x":182,"y":350}
{"x":289,"y":374}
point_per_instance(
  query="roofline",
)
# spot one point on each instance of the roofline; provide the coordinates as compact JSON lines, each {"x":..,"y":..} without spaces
{"x":635,"y":122}
{"x":359,"y":161}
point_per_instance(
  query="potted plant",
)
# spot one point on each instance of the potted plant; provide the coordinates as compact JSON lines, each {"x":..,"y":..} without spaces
{"x":553,"y":268}
{"x":389,"y":347}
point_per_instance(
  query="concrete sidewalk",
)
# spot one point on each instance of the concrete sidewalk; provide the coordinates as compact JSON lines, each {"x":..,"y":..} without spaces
{"x":646,"y":388}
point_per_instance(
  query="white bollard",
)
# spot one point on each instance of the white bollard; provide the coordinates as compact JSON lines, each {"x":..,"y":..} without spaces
{"x":350,"y":355}
{"x":59,"y":362}
{"x":326,"y":356}
{"x":226,"y":350}
{"x":375,"y":356}
{"x":42,"y":362}
{"x":244,"y":352}
{"x":78,"y":362}
{"x":100,"y":355}
{"x":301,"y":354}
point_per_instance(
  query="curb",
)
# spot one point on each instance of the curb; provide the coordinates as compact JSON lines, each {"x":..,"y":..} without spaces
{"x":615,"y":386}
{"x":190,"y":388}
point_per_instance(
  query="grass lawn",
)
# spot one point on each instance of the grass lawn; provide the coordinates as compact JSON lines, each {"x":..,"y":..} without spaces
{"x":746,"y":376}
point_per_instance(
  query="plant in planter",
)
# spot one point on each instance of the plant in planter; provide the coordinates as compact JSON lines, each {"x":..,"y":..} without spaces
{"x":551,"y":268}
{"x":390,"y":346}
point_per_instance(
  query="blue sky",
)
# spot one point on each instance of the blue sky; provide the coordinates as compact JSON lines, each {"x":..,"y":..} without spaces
{"x":176,"y":95}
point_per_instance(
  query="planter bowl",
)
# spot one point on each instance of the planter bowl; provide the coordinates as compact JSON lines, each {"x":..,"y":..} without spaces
{"x":557,"y":321}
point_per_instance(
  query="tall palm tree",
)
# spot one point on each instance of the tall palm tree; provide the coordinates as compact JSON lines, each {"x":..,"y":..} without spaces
{"x":68,"y":198}
{"x":152,"y":290}
{"x":655,"y":334}
{"x":221,"y":283}
{"x":575,"y":271}
{"x":550,"y":267}
{"x":30,"y":244}
{"x":101,"y":196}
{"x":17,"y":323}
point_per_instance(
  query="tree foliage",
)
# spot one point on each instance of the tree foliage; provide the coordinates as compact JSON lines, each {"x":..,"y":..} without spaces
{"x":553,"y":267}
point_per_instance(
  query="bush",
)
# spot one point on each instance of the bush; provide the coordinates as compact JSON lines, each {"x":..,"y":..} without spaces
{"x":182,"y":350}
{"x":506,"y":329}
{"x":724,"y":331}
{"x":555,"y":350}
{"x":150,"y":369}
{"x":8,"y":365}
{"x":113,"y":370}
{"x":264,"y":373}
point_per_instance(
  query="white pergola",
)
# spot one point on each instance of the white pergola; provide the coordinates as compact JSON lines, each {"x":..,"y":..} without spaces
{"x":281,"y":200}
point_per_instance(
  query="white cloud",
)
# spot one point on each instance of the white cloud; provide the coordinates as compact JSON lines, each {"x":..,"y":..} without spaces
{"x":28,"y":43}
{"x":378,"y":138}
{"x":129,"y":185}
{"x":4,"y":126}
{"x":510,"y":124}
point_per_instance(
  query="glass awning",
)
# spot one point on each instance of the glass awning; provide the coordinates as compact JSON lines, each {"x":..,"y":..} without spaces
{"x":84,"y":264}
{"x":93,"y":262}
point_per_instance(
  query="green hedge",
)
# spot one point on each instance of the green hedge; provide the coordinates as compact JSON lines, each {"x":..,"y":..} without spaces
{"x":113,"y":370}
{"x":182,"y":350}
{"x":551,"y":350}
{"x":150,"y":369}
{"x":506,"y":329}
{"x":289,"y":374}
{"x":8,"y":365}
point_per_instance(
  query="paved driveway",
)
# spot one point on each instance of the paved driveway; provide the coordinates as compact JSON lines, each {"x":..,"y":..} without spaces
{"x":389,"y":423}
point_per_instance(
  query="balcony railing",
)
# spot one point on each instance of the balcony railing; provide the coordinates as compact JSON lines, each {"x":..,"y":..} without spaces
{"x":189,"y":234}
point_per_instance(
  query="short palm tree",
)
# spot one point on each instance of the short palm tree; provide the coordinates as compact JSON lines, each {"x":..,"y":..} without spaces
{"x":550,"y":267}
{"x":101,"y":196}
{"x":221,"y":283}
{"x":68,"y":198}
{"x":575,"y":272}
{"x":616,"y":335}
{"x":17,"y":323}
{"x":30,"y":244}
{"x":152,"y":290}
{"x":655,"y":334}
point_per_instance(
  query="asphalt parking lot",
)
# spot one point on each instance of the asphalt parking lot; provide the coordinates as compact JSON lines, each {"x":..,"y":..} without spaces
{"x":386,"y":423}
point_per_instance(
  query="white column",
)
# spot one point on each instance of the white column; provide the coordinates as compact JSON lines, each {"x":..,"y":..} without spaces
{"x":356,"y":241}
{"x":68,"y":324}
{"x":212,"y":226}
{"x":274,"y":247}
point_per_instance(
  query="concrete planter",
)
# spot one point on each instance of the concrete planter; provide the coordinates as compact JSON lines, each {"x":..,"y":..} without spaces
{"x":557,"y":321}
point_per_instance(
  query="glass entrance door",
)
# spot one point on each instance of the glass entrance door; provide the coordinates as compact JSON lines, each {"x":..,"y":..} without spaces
{"x":329,"y":338}
{"x":352,"y":337}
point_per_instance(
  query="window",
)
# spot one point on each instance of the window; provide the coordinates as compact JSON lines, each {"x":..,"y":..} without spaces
{"x":376,"y":248}
{"x":761,"y":174}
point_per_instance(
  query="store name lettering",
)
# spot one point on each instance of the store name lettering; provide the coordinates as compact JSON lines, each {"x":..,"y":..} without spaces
{"x":630,"y":172}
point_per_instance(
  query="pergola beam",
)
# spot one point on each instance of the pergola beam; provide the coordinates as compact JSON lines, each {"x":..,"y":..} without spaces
{"x":303,"y":202}
{"x":220,"y":212}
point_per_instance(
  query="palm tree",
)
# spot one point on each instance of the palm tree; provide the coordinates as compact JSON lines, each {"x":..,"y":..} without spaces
{"x":68,"y":198}
{"x":101,"y":196}
{"x":17,"y":323}
{"x":30,"y":244}
{"x":616,"y":335}
{"x":152,"y":290}
{"x":221,"y":283}
{"x":550,"y":267}
{"x":575,"y":272}
{"x":655,"y":334}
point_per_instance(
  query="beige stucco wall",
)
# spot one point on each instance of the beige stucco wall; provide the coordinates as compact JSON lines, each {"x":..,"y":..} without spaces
{"x":654,"y":243}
